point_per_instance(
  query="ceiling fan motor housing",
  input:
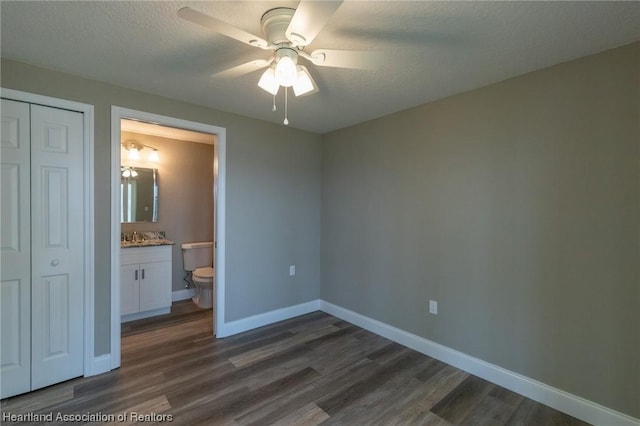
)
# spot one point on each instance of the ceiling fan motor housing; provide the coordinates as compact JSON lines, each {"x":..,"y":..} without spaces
{"x":274,"y":24}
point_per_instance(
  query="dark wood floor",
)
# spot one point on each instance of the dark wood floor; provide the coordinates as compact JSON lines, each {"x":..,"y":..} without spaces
{"x":305,"y":371}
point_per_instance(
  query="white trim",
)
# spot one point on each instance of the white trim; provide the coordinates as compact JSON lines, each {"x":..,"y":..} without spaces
{"x":101,"y":364}
{"x":115,"y":239}
{"x":560,"y":400}
{"x":117,"y":113}
{"x":259,"y":320}
{"x":145,"y":314}
{"x":89,"y":240}
{"x":220,"y":191}
{"x":184,"y":294}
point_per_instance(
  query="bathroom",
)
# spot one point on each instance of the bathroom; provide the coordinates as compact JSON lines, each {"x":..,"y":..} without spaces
{"x":184,"y":201}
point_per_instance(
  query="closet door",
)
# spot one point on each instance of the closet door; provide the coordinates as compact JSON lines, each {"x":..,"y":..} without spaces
{"x":42,"y":247}
{"x":15,"y":253}
{"x":57,"y":236}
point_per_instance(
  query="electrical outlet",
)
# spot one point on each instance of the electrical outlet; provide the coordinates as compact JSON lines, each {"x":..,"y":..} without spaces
{"x":433,"y":307}
{"x":292,"y":270}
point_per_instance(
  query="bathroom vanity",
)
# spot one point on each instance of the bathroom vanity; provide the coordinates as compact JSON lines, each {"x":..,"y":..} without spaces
{"x":145,"y":279}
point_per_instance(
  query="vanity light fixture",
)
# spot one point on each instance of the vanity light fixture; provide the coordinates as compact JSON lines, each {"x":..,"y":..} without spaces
{"x":134,"y":148}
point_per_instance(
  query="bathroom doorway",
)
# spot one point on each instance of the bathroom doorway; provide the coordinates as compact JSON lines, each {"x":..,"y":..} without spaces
{"x":175,"y":131}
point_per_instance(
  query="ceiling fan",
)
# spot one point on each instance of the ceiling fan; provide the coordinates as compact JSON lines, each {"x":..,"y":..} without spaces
{"x":287,"y":32}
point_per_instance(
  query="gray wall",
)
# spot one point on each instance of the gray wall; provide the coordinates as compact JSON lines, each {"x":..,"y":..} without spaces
{"x":185,"y":195}
{"x":273,"y":195}
{"x":517,"y":208}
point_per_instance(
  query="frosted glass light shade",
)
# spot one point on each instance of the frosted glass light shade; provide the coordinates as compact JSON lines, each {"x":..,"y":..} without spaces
{"x":268,"y":82}
{"x":286,"y":72}
{"x":304,"y":84}
{"x":154,"y":156}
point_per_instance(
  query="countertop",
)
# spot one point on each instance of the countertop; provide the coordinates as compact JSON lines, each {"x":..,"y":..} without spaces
{"x":146,"y":243}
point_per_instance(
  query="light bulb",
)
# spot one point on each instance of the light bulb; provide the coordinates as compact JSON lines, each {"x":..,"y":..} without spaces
{"x":134,"y":154}
{"x":286,"y":71}
{"x":154,"y":156}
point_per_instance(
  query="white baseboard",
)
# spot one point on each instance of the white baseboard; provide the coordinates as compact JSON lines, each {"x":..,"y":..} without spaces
{"x":145,"y":314}
{"x":185,"y":294}
{"x":234,"y":327}
{"x":100,"y":364}
{"x":560,"y":400}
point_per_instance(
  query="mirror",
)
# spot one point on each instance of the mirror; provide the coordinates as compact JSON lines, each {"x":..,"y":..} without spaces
{"x":139,"y":194}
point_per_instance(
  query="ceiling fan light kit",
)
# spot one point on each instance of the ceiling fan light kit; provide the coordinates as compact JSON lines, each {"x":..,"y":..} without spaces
{"x":287,"y":32}
{"x":286,"y":70}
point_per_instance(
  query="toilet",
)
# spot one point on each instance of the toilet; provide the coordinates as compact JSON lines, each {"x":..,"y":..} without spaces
{"x":197,"y":258}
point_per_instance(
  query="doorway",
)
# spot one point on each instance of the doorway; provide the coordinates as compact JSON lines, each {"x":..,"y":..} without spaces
{"x":219,"y":168}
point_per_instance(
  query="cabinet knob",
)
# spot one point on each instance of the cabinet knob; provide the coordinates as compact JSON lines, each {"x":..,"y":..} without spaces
{"x":55,"y":262}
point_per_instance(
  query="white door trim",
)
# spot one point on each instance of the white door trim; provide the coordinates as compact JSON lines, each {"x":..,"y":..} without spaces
{"x":88,"y":214}
{"x":118,"y":113}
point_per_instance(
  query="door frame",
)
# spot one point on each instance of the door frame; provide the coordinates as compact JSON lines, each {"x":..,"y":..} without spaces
{"x":91,"y":363}
{"x":219,"y":188}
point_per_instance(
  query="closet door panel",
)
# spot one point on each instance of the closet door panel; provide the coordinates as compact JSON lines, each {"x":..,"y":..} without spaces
{"x":57,"y":230}
{"x":15,"y":250}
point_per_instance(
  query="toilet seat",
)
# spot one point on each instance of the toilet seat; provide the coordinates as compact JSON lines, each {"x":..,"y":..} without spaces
{"x":203,"y":274}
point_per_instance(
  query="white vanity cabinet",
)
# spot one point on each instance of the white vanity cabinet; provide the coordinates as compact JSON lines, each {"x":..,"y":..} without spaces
{"x":145,"y":282}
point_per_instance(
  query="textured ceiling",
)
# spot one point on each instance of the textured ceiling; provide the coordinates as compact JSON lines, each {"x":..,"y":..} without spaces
{"x":434,"y":49}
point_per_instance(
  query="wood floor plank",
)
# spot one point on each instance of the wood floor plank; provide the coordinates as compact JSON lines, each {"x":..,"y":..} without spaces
{"x":309,"y":415}
{"x":224,"y":409}
{"x":309,"y":370}
{"x":532,"y":413}
{"x":383,"y":373}
{"x":131,"y":415}
{"x":325,"y":385}
{"x":387,"y":353}
{"x":265,"y":351}
{"x":40,"y":399}
{"x":495,"y":408}
{"x":457,"y":405}
{"x":374,"y":404}
{"x":419,"y":402}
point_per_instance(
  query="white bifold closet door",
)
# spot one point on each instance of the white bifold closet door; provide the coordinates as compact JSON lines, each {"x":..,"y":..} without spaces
{"x":42,"y":289}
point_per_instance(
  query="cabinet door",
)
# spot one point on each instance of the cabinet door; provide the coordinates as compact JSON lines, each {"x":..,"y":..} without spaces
{"x":155,"y":285}
{"x":129,"y":289}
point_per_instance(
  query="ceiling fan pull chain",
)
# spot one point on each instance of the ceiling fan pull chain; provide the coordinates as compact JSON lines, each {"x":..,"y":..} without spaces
{"x":286,"y":107}
{"x":274,"y":103}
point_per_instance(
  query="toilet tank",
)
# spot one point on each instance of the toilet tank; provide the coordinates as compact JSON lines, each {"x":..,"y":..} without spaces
{"x":197,"y":255}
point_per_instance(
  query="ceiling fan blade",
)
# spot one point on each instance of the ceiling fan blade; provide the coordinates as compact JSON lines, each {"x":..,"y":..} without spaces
{"x":358,"y":59}
{"x":221,"y":27}
{"x":310,"y":17}
{"x":243,"y":69}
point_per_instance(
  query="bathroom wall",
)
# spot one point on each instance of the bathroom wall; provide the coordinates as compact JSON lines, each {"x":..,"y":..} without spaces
{"x":185,"y":196}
